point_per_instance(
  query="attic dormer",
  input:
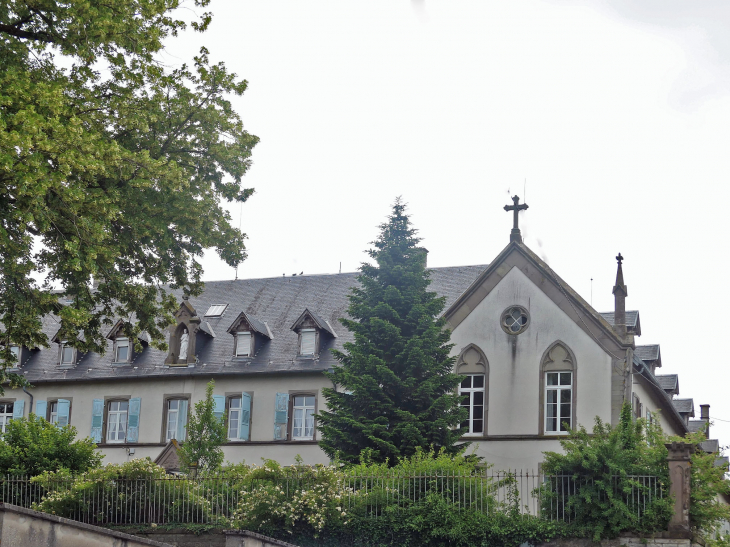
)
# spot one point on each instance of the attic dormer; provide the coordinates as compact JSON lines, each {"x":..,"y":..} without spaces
{"x":123,"y":350}
{"x":68,"y":355}
{"x":313,"y":333}
{"x":651,"y":355}
{"x":183,"y":335}
{"x":248,"y":334}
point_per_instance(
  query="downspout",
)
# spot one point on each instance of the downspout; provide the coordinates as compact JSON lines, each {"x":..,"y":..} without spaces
{"x":31,"y":399}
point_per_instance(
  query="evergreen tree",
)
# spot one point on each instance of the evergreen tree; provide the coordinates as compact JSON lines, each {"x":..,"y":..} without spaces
{"x":396,"y":385}
{"x":206,"y":434}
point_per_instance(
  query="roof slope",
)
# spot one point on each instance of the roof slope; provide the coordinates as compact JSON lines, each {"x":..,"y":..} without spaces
{"x":278,"y":301}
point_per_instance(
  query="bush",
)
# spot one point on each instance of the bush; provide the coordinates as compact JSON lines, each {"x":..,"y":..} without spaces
{"x":597,"y":472}
{"x":132,"y":492}
{"x":33,"y":446}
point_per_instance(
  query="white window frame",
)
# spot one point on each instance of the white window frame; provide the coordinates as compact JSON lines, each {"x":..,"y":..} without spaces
{"x":53,"y":412}
{"x":247,"y":338}
{"x":5,"y":416}
{"x":470,"y":391}
{"x":308,"y":333}
{"x":305,"y":430}
{"x":169,"y":413}
{"x":122,"y":417}
{"x":64,"y":346}
{"x":122,"y":342}
{"x":558,"y":389}
{"x":234,"y":417}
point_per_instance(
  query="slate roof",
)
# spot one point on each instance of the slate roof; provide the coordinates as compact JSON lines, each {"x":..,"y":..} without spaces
{"x":669,"y":382}
{"x":684,"y":406}
{"x":647,"y":353}
{"x":696,"y":425}
{"x":711,"y":446}
{"x":632,"y":318}
{"x":278,"y":301}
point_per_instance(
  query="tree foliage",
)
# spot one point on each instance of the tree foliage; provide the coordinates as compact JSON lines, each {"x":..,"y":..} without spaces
{"x":33,"y":446}
{"x":396,"y":386}
{"x":598,"y":469}
{"x":112,"y":167}
{"x":205,"y":434}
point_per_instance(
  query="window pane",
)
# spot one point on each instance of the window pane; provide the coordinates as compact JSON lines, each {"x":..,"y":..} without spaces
{"x":478,"y":397}
{"x":123,"y":405}
{"x":309,"y":426}
{"x":551,"y":424}
{"x":122,"y":354}
{"x":309,"y":401}
{"x":478,"y":381}
{"x":478,"y":426}
{"x":233,"y":416}
{"x":68,"y":354}
{"x":173,"y":404}
{"x":466,"y":382}
{"x":565,"y":395}
{"x":565,"y":378}
{"x":552,"y":378}
{"x":235,"y":402}
{"x":552,"y":396}
{"x":114,"y":406}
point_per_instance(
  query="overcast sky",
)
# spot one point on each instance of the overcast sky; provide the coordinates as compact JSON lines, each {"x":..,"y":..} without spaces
{"x":616,"y":114}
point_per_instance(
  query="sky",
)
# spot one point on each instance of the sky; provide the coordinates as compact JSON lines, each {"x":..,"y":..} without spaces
{"x":612,"y":119}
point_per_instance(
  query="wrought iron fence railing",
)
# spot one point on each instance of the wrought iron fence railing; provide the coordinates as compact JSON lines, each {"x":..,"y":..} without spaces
{"x":215,"y":499}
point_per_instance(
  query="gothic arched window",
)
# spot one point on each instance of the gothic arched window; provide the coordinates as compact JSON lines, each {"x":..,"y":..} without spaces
{"x":473,"y":367}
{"x":557,"y":390}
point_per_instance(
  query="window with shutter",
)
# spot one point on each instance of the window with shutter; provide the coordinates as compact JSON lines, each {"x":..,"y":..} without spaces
{"x":6,"y":414}
{"x":281,"y":416}
{"x":308,"y":339}
{"x":243,"y":344}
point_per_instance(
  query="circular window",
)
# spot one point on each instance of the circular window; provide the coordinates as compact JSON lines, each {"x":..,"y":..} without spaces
{"x":515,"y":320}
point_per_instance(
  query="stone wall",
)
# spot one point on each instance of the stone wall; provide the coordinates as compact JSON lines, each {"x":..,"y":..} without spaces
{"x":20,"y":527}
{"x":244,"y":538}
{"x":181,"y":538}
{"x":659,"y":540}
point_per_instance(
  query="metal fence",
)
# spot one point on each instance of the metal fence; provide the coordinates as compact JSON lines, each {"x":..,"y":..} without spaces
{"x":215,"y":499}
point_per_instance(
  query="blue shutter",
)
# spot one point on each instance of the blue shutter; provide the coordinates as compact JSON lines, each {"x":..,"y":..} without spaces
{"x":245,"y":423}
{"x":182,"y":420}
{"x":64,"y":409}
{"x":41,"y":409}
{"x":135,"y":405}
{"x":18,"y":407}
{"x":219,"y":408}
{"x":97,"y":420}
{"x":281,"y":416}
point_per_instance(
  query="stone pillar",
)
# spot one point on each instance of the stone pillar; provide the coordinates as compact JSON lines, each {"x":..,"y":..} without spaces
{"x":679,"y":488}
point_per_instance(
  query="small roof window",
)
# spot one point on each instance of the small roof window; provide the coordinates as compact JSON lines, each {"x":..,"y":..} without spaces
{"x":216,"y":310}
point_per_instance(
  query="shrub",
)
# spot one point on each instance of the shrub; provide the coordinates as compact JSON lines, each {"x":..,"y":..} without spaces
{"x":599,"y":471}
{"x":33,"y":446}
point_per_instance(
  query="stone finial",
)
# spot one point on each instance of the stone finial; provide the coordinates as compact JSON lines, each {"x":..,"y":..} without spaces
{"x":620,"y":292}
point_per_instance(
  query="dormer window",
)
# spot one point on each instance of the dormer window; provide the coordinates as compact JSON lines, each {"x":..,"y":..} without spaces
{"x":314,"y":333}
{"x":243,"y":344}
{"x":121,"y":351}
{"x":307,"y":341}
{"x":17,"y":352}
{"x":68,"y":354}
{"x":249,"y":335}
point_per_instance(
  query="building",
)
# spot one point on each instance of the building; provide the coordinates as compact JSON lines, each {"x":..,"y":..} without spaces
{"x":535,"y":357}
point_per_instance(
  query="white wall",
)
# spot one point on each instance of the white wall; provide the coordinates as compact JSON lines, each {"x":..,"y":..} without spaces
{"x":153,"y":393}
{"x":514,"y":371}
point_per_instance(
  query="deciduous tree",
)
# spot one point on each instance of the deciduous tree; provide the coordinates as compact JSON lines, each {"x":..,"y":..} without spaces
{"x":112,"y":168}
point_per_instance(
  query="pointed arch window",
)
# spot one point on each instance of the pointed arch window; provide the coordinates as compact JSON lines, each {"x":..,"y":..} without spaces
{"x":557,"y":390}
{"x":473,"y":367}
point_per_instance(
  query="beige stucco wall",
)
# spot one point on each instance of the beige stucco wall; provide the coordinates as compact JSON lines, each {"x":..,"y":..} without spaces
{"x":651,"y":402}
{"x":153,"y":393}
{"x":514,"y":370}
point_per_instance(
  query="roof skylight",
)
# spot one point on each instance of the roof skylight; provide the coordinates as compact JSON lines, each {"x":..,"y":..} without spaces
{"x":216,"y":310}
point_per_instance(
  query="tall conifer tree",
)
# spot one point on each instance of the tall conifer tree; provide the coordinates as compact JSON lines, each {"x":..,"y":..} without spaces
{"x":396,"y":388}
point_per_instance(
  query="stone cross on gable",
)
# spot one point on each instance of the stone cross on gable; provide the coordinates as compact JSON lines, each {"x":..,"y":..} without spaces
{"x":515,"y":235}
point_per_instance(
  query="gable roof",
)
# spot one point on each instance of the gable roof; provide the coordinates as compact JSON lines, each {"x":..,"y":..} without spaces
{"x":685,"y":406}
{"x":256,"y":325}
{"x":517,"y":254}
{"x":649,"y":353}
{"x":322,"y":324}
{"x":669,"y":382}
{"x":697,"y":425}
{"x":632,"y":320}
{"x":652,"y":382}
{"x":278,"y":301}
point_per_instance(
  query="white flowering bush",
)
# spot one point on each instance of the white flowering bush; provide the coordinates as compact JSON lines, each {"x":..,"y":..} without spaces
{"x":296,"y":498}
{"x":132,"y":492}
